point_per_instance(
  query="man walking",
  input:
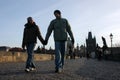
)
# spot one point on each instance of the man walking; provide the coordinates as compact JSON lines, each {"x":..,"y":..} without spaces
{"x":61,"y":27}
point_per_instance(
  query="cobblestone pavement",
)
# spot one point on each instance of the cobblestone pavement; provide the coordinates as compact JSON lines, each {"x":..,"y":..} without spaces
{"x":78,"y":69}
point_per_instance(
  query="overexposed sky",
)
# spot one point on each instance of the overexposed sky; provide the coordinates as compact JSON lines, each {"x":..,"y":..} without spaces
{"x":101,"y":17}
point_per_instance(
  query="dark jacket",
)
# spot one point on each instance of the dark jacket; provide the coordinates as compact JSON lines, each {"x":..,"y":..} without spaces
{"x":31,"y":32}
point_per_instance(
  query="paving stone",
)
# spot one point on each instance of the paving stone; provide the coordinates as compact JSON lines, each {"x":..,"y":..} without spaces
{"x":78,"y":69}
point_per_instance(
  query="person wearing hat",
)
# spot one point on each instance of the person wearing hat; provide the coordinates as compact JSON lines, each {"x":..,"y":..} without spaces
{"x":60,"y":28}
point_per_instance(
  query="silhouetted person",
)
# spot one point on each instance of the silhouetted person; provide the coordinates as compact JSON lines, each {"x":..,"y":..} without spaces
{"x":99,"y":52}
{"x":87,"y":55}
{"x":70,"y":48}
{"x":31,"y":32}
{"x":71,"y":52}
{"x":61,"y":27}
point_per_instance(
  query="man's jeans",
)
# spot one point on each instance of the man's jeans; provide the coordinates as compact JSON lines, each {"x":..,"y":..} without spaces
{"x":60,"y":47}
{"x":30,"y":51}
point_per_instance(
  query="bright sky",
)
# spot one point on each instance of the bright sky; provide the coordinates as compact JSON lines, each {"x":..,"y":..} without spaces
{"x":102,"y":17}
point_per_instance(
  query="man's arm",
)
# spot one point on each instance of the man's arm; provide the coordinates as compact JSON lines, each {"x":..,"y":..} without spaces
{"x":49,"y":31}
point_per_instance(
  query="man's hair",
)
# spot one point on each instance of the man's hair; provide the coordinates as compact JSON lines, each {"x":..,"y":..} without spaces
{"x":29,"y":18}
{"x":57,"y":11}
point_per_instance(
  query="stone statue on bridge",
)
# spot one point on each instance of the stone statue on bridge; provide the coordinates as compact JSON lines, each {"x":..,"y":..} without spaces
{"x":104,"y":48}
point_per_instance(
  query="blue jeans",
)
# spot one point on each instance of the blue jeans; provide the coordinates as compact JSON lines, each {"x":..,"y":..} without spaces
{"x":30,"y":52}
{"x":60,"y":47}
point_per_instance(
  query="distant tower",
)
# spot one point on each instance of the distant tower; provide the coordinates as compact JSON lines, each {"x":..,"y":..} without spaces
{"x":90,"y":43}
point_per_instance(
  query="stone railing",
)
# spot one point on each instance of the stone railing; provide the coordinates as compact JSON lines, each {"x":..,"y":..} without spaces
{"x":21,"y":56}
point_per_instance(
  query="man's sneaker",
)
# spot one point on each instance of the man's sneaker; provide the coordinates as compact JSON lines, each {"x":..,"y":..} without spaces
{"x":27,"y":70}
{"x":33,"y":69}
{"x":58,"y":70}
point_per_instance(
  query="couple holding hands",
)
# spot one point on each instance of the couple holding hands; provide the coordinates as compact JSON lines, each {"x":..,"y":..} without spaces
{"x":61,"y":29}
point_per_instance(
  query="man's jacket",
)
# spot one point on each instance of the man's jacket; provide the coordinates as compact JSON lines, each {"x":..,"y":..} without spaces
{"x":60,"y":28}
